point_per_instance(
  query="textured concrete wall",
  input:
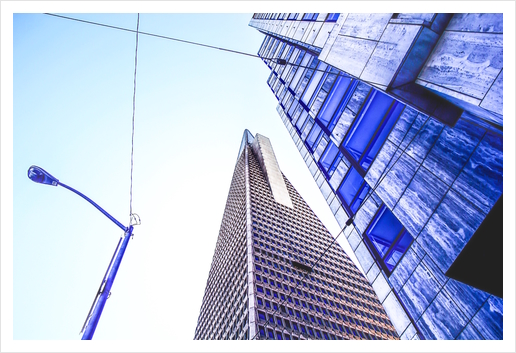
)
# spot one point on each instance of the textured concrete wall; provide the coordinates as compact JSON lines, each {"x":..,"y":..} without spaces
{"x":467,"y":63}
{"x":372,"y":47}
{"x":263,"y":151}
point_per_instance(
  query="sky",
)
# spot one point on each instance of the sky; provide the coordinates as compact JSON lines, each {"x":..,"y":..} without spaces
{"x":72,"y":108}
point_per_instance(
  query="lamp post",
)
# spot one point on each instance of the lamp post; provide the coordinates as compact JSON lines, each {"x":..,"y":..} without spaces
{"x":39,"y":175}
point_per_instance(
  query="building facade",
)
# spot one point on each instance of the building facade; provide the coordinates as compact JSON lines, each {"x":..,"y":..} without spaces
{"x":269,"y":278}
{"x":399,"y":118}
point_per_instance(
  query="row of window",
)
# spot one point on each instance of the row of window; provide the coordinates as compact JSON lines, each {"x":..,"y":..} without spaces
{"x":364,"y":297}
{"x":227,"y":288}
{"x":306,"y":292}
{"x":318,"y":274}
{"x":298,"y":222}
{"x":292,"y":229}
{"x":328,"y":270}
{"x":296,"y":324}
{"x":313,"y":308}
{"x":359,"y":147}
{"x":331,"y":17}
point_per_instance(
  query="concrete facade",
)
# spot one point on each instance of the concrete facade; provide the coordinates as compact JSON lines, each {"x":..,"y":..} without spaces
{"x":433,"y":165}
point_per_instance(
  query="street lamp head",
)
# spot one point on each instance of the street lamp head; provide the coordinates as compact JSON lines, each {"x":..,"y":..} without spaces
{"x":40,"y":175}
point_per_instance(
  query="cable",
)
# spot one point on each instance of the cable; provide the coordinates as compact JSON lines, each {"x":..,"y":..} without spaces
{"x":134,"y":110}
{"x":152,"y":35}
{"x":279,"y":61}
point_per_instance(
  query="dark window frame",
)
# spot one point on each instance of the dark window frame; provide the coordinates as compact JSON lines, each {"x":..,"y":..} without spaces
{"x":372,"y":248}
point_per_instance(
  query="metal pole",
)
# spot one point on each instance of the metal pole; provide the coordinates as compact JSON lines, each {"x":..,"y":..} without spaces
{"x":99,"y":306}
{"x":94,"y":204}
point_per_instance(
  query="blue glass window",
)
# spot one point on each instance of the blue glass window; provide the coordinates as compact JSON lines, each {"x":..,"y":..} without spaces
{"x":292,"y":16}
{"x":271,"y":334}
{"x":302,"y":118}
{"x":328,"y":156}
{"x":306,"y":128}
{"x":389,"y":237}
{"x":315,"y":83}
{"x":312,"y":137}
{"x":371,"y":127}
{"x":332,"y":17}
{"x":353,"y":190}
{"x":333,"y":99}
{"x":310,"y":16}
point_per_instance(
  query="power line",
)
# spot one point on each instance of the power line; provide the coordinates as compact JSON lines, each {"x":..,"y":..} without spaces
{"x":153,"y":35}
{"x":279,"y":61}
{"x":134,"y":110}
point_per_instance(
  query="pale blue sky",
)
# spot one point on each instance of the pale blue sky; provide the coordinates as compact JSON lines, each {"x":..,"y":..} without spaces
{"x":71,"y":114}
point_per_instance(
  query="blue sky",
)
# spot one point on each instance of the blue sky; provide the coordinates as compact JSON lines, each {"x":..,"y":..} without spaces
{"x":71,"y":114}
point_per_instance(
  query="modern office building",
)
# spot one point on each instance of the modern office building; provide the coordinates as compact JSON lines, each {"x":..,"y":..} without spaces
{"x":277,"y":272}
{"x":399,"y":118}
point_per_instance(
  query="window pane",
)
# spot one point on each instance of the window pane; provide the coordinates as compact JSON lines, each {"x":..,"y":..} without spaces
{"x":306,"y":78}
{"x":384,"y":230}
{"x":333,"y":99}
{"x":332,"y":17}
{"x":314,"y":82}
{"x":397,"y":252}
{"x":312,"y":137}
{"x":302,"y":119}
{"x":364,"y":129}
{"x":358,"y":200}
{"x":335,"y":164}
{"x":392,"y":117}
{"x":350,"y":186}
{"x":328,"y":156}
{"x":300,"y":72}
{"x":307,"y":128}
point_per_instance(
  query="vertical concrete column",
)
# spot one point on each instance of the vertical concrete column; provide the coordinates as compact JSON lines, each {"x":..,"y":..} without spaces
{"x":250,"y":268}
{"x":263,"y":151}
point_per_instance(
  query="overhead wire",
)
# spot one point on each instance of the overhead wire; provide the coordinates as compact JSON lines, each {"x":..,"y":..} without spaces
{"x":277,"y":60}
{"x":151,"y":34}
{"x":134,"y":110}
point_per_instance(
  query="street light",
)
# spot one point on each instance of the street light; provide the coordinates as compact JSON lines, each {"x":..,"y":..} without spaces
{"x":39,"y":175}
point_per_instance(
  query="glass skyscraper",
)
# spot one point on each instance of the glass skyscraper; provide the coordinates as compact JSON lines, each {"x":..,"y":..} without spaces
{"x":399,"y":118}
{"x":277,"y":273}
